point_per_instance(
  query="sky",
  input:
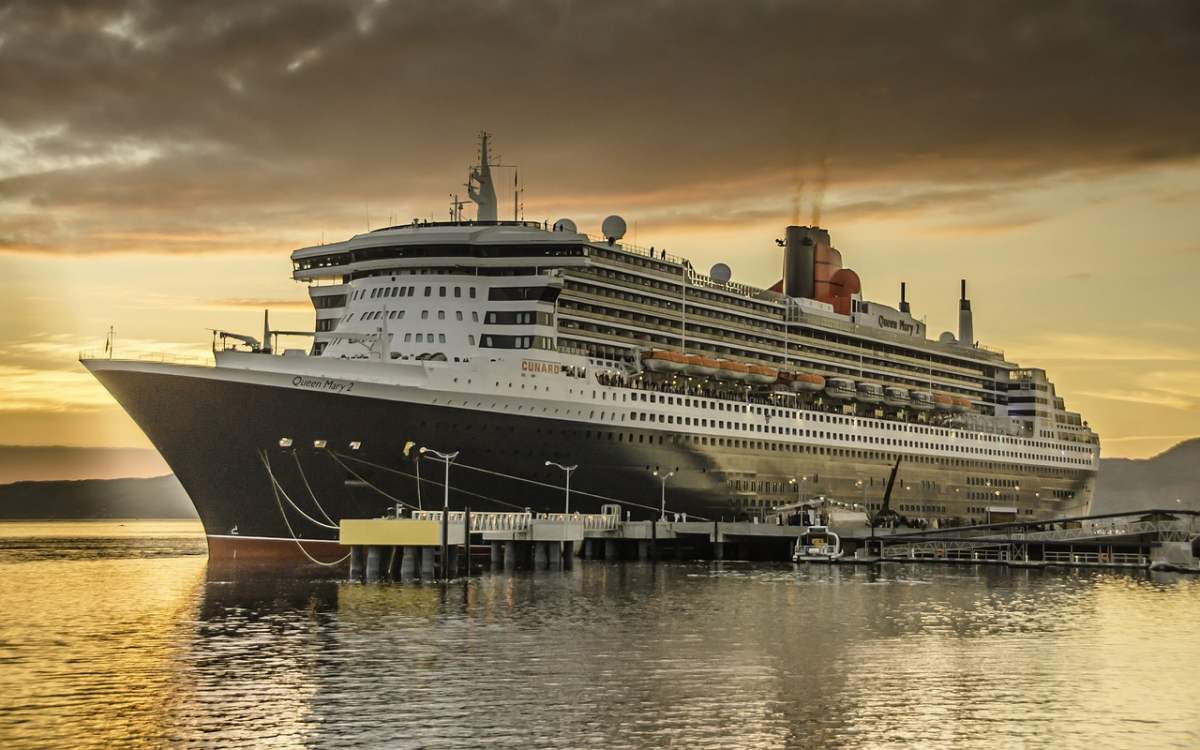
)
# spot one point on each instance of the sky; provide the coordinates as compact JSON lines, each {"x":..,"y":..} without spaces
{"x":158,"y":162}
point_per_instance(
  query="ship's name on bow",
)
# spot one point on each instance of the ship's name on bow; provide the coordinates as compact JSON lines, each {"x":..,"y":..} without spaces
{"x":323,"y":384}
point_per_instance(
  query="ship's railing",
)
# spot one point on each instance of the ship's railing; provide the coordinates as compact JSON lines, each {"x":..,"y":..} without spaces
{"x":160,"y":357}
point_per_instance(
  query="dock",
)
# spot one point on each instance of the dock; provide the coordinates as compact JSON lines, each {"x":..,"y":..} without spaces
{"x":432,"y":545}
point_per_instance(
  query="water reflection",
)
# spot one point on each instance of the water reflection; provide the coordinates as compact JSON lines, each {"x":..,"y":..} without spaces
{"x":167,"y":650}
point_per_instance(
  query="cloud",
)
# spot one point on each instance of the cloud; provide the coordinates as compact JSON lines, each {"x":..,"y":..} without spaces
{"x":274,"y":119}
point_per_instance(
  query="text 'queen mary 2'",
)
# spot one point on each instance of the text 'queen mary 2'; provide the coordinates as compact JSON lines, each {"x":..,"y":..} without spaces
{"x":516,"y":343}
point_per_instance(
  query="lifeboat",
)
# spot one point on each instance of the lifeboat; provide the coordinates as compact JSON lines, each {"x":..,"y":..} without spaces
{"x":962,"y":404}
{"x":943,"y":402}
{"x":702,"y":366}
{"x":762,"y":374}
{"x":660,"y":360}
{"x":895,"y":396}
{"x":921,"y":400}
{"x":807,"y":381}
{"x":870,"y":393}
{"x":840,"y":388}
{"x":731,"y":370}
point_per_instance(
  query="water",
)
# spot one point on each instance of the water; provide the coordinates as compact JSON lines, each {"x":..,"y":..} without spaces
{"x":124,"y":635}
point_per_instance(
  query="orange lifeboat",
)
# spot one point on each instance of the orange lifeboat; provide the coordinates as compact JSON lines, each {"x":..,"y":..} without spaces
{"x":962,"y":404}
{"x":660,"y":360}
{"x":702,"y":366}
{"x":808,"y":381}
{"x":762,"y":374}
{"x":942,"y":402}
{"x":731,"y":370}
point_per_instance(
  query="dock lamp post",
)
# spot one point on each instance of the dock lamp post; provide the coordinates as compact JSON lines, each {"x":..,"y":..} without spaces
{"x":445,"y":458}
{"x":662,"y":478}
{"x":567,"y":497}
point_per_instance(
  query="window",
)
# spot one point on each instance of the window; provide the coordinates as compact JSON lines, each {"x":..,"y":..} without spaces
{"x":428,"y":291}
{"x":424,"y":315}
{"x":458,"y":291}
{"x":407,"y":337}
{"x":458,"y":314}
{"x":471,"y":292}
{"x":471,"y":339}
{"x":441,"y":291}
{"x":441,"y":314}
{"x":420,"y":338}
{"x":474,"y":316}
{"x":441,"y":338}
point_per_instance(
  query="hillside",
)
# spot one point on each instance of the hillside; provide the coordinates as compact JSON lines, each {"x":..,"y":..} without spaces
{"x":37,"y":463}
{"x":1137,"y":484}
{"x":157,"y":497}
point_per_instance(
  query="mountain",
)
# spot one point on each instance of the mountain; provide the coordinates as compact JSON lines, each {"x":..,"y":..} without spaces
{"x":23,"y":463}
{"x":156,"y":497}
{"x":1157,"y":482}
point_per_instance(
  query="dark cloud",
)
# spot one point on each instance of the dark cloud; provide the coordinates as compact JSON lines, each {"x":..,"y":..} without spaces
{"x":156,"y":117}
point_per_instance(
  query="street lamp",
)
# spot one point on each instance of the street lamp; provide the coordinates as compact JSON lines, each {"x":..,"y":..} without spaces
{"x":568,"y":470}
{"x":799,"y":487}
{"x":663,"y":479}
{"x":445,"y":458}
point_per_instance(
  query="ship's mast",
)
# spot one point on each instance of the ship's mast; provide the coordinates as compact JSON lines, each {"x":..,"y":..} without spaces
{"x":479,"y":184}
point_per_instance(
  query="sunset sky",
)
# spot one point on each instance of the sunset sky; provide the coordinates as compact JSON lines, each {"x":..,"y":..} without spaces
{"x":158,"y":162}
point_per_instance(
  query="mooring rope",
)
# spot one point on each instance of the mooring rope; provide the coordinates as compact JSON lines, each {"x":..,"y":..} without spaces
{"x":308,"y":487}
{"x":359,"y":477}
{"x":288,"y":524}
{"x":411,"y":476}
{"x":282,"y":491}
{"x":519,"y":479}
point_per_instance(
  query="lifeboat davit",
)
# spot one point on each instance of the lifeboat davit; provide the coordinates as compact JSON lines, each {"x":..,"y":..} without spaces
{"x":730,"y":370}
{"x":870,"y":393}
{"x":762,"y":374}
{"x":962,"y":404}
{"x":660,"y":360}
{"x":840,"y":388}
{"x":921,"y":400}
{"x":895,"y":396}
{"x":702,"y":366}
{"x":807,"y":381}
{"x":943,"y":402}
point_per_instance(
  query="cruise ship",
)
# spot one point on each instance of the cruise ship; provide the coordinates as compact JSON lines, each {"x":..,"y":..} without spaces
{"x":528,"y":348}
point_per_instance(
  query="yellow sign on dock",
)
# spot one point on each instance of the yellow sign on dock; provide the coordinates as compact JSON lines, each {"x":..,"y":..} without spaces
{"x":396,"y":532}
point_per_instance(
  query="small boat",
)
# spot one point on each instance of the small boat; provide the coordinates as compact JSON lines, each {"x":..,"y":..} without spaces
{"x":870,"y":393}
{"x":661,"y":360}
{"x":943,"y":402}
{"x":762,"y":374}
{"x":701,"y":366}
{"x":921,"y":400}
{"x":962,"y":404}
{"x":818,"y":544}
{"x":895,"y":396}
{"x":731,"y":370}
{"x":807,"y":381}
{"x":840,"y":388}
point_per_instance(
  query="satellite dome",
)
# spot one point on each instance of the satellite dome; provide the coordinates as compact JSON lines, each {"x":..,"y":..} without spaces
{"x":947,"y":338}
{"x":565,"y":225}
{"x":721,"y":273}
{"x":613,"y":228}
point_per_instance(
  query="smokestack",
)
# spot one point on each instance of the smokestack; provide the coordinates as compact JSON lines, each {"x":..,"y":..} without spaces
{"x":798,"y":262}
{"x":966,"y":329}
{"x":266,"y":342}
{"x":903,"y":299}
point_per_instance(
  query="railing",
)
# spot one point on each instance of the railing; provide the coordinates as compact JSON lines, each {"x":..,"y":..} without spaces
{"x":1095,"y":558}
{"x":590,"y":521}
{"x":160,"y":357}
{"x":479,"y":521}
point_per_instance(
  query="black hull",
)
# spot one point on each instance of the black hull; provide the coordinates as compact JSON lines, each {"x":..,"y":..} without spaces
{"x":212,"y":431}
